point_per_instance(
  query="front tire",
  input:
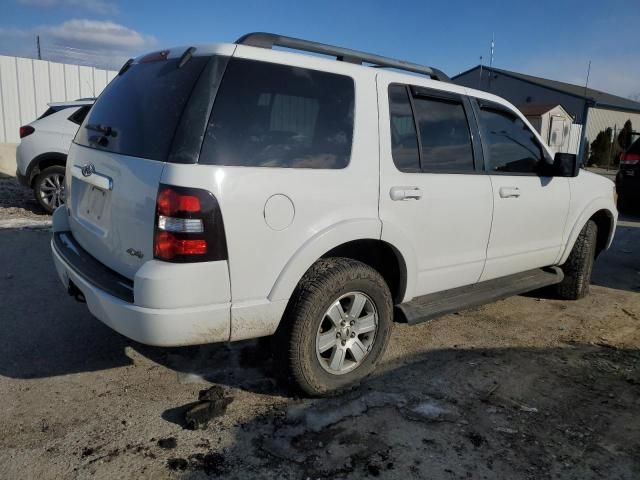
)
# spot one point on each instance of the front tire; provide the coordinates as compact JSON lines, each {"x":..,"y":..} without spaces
{"x":336,"y":327}
{"x":578,"y":267}
{"x":48,"y":188}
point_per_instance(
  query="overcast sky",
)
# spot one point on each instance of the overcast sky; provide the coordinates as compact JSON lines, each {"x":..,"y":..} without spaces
{"x":549,"y":38}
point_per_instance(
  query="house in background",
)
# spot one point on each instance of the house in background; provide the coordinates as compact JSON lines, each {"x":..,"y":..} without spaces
{"x":555,"y":126}
{"x":593,"y":110}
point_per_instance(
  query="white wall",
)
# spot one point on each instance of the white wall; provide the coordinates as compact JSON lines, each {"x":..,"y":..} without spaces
{"x":27,"y":86}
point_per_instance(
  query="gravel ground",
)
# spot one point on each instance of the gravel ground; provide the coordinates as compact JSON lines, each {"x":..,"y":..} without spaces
{"x":17,"y":205}
{"x":529,"y":387}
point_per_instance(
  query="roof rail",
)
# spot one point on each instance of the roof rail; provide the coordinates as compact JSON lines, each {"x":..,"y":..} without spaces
{"x":269,"y":40}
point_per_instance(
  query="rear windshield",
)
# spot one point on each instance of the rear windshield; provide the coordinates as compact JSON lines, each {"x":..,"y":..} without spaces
{"x":138,"y":112}
{"x":635,"y":147}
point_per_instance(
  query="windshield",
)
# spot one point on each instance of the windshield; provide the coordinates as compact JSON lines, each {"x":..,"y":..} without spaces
{"x":138,"y":112}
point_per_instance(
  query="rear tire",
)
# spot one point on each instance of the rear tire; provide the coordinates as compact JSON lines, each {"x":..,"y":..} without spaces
{"x":577,"y":269}
{"x":336,"y":327}
{"x":48,"y":188}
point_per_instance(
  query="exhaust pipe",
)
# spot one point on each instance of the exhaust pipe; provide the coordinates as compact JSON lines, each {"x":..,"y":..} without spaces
{"x":75,"y":292}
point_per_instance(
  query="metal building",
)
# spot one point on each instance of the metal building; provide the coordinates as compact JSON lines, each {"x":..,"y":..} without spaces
{"x":598,"y":110}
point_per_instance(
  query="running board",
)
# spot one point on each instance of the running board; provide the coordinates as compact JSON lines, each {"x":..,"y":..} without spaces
{"x":434,"y":305}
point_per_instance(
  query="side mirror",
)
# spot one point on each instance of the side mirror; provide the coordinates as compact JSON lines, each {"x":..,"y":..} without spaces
{"x":565,"y":165}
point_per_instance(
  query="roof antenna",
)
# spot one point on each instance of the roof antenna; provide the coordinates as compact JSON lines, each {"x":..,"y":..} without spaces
{"x":493,"y":43}
{"x":586,"y":84}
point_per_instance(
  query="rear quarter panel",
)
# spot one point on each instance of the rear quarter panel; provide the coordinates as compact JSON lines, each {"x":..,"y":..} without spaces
{"x":268,"y":263}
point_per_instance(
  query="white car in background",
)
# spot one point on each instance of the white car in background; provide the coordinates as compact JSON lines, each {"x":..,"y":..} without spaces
{"x":42,"y":153}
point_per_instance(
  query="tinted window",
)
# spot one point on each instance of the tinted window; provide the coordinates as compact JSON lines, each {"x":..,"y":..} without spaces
{"x":635,"y":147}
{"x":270,"y":115}
{"x":444,"y":135}
{"x":79,"y":115}
{"x":404,"y":140}
{"x":511,"y":146}
{"x":142,"y":107}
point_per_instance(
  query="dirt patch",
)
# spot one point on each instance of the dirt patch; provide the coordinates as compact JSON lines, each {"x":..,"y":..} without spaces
{"x":17,"y":202}
{"x":526,"y":388}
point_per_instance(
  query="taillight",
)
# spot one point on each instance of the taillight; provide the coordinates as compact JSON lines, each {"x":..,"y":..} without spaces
{"x":26,"y":130}
{"x":629,"y":159}
{"x":188,"y":226}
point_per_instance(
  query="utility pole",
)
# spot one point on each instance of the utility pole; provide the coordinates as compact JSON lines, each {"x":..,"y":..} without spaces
{"x":613,"y":139}
{"x":38,"y":45}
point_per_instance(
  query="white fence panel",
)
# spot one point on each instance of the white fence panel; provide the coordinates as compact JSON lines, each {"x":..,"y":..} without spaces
{"x":27,"y":86}
{"x":56,"y":80}
{"x":26,"y":90}
{"x":71,"y":81}
{"x":10,"y":103}
{"x":86,"y":82}
{"x":41,"y":84}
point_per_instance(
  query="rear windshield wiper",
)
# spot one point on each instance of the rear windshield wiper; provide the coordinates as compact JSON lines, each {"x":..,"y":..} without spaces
{"x":104,"y":129}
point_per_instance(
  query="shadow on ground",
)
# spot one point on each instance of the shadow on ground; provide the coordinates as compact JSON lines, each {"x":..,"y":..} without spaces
{"x":16,"y":199}
{"x":490,"y":413}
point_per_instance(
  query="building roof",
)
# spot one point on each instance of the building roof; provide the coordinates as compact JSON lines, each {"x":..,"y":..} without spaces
{"x":537,"y":109}
{"x":600,"y":99}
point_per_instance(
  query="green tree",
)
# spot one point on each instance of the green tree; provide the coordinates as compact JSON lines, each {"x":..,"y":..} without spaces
{"x":625,"y":136}
{"x":601,"y":148}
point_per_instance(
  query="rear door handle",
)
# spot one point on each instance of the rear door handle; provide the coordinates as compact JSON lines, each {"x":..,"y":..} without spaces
{"x":509,"y":192}
{"x":405,"y":193}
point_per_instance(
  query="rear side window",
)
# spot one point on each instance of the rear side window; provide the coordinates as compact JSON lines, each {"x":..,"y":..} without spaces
{"x":137,"y":114}
{"x":511,"y":145}
{"x":444,"y":135}
{"x":442,"y":141}
{"x":271,"y":115}
{"x":635,"y":147}
{"x":404,"y":140}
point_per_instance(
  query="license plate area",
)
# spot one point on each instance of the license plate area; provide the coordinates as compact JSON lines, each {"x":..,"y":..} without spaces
{"x":94,"y":207}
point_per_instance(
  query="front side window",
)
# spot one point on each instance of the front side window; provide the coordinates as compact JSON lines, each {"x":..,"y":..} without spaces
{"x":444,"y":135}
{"x":429,"y":133}
{"x":271,"y":115}
{"x":510,"y":144}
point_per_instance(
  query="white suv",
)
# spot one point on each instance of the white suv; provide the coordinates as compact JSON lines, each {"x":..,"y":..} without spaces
{"x":41,"y":156}
{"x":234,"y":191}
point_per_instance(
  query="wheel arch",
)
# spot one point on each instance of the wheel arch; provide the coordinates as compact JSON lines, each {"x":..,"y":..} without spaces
{"x":43,"y":161}
{"x":356,"y":239}
{"x":605,"y":218}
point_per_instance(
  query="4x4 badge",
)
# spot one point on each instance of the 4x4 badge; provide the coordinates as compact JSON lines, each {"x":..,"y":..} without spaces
{"x":88,"y":170}
{"x":135,"y":253}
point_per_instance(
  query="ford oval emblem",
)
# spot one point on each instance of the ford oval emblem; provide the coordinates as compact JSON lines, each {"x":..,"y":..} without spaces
{"x":88,"y":170}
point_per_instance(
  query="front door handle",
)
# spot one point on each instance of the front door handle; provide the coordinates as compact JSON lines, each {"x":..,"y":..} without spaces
{"x":405,"y":193}
{"x":509,"y":192}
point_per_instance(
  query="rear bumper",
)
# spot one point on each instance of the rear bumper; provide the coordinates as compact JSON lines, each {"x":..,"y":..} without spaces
{"x":22,"y":179}
{"x":107,"y":299}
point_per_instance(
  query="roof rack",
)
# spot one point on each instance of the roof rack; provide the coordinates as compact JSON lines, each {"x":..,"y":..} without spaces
{"x":269,"y":40}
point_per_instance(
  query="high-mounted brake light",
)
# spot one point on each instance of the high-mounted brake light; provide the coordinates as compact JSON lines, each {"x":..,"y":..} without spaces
{"x":188,"y":226}
{"x":26,"y":130}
